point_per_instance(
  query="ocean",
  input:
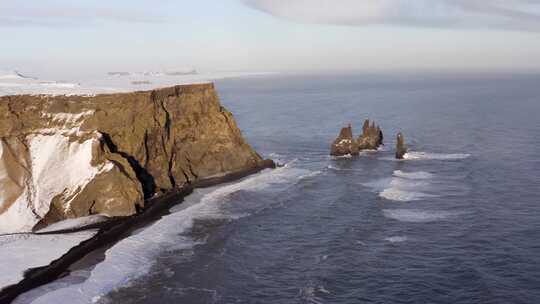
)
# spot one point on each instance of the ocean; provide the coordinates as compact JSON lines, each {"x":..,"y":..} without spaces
{"x":457,"y":222}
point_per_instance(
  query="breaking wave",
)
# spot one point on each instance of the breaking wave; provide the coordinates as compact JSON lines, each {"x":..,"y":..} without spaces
{"x":413,"y":175}
{"x":396,"y":239}
{"x":134,"y":256}
{"x":398,"y":195}
{"x":403,"y":186}
{"x":435,"y":156}
{"x":417,"y":216}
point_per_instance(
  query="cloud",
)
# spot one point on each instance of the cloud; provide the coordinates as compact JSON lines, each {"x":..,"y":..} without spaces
{"x":491,"y":14}
{"x":58,"y":14}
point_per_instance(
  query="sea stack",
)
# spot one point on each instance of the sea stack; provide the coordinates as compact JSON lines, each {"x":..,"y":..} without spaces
{"x":65,"y":157}
{"x":401,"y":149}
{"x":344,"y":143}
{"x":371,"y":138}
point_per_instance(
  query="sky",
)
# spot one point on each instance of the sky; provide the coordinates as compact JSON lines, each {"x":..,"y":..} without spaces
{"x":66,"y":38}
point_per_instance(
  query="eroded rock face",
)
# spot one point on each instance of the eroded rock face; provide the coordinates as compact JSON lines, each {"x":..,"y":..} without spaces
{"x":401,"y":148}
{"x":344,"y":143}
{"x":371,"y":138}
{"x":70,"y":156}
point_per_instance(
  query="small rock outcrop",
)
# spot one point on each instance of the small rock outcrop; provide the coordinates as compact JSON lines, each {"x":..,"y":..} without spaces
{"x":345,"y":143}
{"x":401,"y":148}
{"x":71,"y":156}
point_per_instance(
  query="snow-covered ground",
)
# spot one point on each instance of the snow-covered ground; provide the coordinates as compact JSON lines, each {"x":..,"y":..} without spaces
{"x":20,"y":252}
{"x":15,"y":83}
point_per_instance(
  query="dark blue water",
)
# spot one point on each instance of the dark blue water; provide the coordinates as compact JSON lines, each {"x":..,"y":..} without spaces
{"x":458,"y":223}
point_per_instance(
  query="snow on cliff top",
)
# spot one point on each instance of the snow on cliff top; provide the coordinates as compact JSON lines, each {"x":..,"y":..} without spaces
{"x":16,"y":83}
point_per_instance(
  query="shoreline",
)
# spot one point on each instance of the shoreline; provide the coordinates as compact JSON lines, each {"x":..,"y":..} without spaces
{"x":116,"y":229}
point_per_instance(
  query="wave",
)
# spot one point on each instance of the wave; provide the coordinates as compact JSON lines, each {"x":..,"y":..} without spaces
{"x":434,"y":156}
{"x":417,"y":216}
{"x":310,"y":175}
{"x":134,"y":256}
{"x":398,"y":195}
{"x":402,"y":187}
{"x":331,"y":167}
{"x":346,"y":156}
{"x":413,"y":175}
{"x":396,"y":239}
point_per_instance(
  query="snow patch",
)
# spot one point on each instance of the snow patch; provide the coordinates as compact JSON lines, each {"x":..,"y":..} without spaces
{"x":24,"y":251}
{"x":68,"y":118}
{"x":115,"y":82}
{"x":59,"y":166}
{"x":75,"y":223}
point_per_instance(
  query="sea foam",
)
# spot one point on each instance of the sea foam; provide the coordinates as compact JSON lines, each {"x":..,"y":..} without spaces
{"x":134,"y":256}
{"x":434,"y":156}
{"x":417,"y":216}
{"x":403,"y":186}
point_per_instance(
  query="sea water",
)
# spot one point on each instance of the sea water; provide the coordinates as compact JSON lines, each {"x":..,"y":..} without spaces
{"x":457,"y":221}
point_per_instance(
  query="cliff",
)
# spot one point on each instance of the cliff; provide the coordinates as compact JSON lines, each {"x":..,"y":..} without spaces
{"x":71,"y":156}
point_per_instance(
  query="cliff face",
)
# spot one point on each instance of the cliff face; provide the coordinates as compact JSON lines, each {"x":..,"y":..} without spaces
{"x":71,"y":156}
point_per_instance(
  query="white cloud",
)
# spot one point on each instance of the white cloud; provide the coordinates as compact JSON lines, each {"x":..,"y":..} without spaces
{"x":492,"y":14}
{"x":32,"y":13}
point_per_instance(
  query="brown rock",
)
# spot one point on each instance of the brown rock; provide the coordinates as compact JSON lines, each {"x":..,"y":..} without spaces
{"x":344,"y":143}
{"x":371,"y":138}
{"x":70,"y":156}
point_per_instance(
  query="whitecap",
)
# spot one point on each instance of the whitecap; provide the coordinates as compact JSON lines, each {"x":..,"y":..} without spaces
{"x":346,"y":156}
{"x":434,"y":156}
{"x":413,"y":175}
{"x":340,"y":169}
{"x":395,"y":194}
{"x":400,"y":189}
{"x":396,"y":239}
{"x":417,"y":216}
{"x":310,"y":175}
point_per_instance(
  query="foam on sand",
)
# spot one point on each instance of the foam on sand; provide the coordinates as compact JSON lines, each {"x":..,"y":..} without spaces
{"x":134,"y":256}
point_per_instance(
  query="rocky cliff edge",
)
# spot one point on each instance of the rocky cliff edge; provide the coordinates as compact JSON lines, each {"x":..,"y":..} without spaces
{"x":71,"y":156}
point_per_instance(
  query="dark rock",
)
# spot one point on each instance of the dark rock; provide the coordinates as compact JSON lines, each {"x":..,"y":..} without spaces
{"x":401,"y":149}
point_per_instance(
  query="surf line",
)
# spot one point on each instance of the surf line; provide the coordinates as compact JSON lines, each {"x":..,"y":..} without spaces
{"x":117,"y":229}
